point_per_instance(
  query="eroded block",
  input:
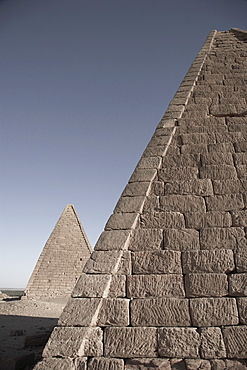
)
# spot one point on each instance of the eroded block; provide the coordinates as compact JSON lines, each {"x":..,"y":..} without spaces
{"x":100,"y":363}
{"x":181,"y":239}
{"x":199,"y":220}
{"x":162,"y":220}
{"x":202,"y":187}
{"x":112,"y":240}
{"x":212,"y":344}
{"x":156,"y":262}
{"x":228,"y":237}
{"x":206,"y":285}
{"x":235,"y":338}
{"x":146,"y":239}
{"x":238,"y":284}
{"x":182,"y":203}
{"x":227,"y":202}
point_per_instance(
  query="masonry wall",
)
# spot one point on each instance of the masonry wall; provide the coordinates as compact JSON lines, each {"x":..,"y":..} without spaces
{"x":165,"y":286}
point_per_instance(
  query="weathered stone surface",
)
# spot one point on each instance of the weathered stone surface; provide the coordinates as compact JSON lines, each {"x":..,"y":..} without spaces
{"x":99,"y":363}
{"x":130,"y":342}
{"x":241,"y":259}
{"x":198,"y":138}
{"x":177,"y":173}
{"x":142,"y":286}
{"x":235,"y":338}
{"x":194,"y":149}
{"x":178,"y":342}
{"x":107,"y":262}
{"x":213,"y":237}
{"x":238,"y":284}
{"x":122,"y":221}
{"x":143,"y":175}
{"x":206,"y":285}
{"x":227,"y":202}
{"x":74,"y":342}
{"x":161,"y":220}
{"x":229,"y":186}
{"x":208,"y":261}
{"x":177,"y":364}
{"x":202,"y":187}
{"x":160,"y":312}
{"x":151,"y":203}
{"x":242,"y":309}
{"x":221,"y":147}
{"x":149,"y":162}
{"x":229,"y":137}
{"x":197,"y":364}
{"x":198,"y":220}
{"x":181,"y":239}
{"x":235,"y":365}
{"x":182,"y":203}
{"x":112,"y":240}
{"x":146,"y":239}
{"x":148,"y":363}
{"x":239,"y":218}
{"x":157,"y":188}
{"x":183,"y":160}
{"x":213,"y":311}
{"x":240,"y":158}
{"x":135,"y":189}
{"x":156,"y":262}
{"x":59,"y":364}
{"x":81,"y":312}
{"x":218,"y":172}
{"x":218,"y":158}
{"x":129,"y":204}
{"x":212,"y":344}
{"x":98,"y":286}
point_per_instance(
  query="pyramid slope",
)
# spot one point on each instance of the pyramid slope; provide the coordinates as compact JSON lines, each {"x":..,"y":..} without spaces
{"x":62,"y":259}
{"x":165,"y":286}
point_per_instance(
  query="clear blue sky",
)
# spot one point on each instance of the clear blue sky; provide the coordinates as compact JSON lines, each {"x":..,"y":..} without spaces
{"x":84,"y":84}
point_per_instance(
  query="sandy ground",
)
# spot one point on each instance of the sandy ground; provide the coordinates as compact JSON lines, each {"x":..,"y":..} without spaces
{"x":20,"y":320}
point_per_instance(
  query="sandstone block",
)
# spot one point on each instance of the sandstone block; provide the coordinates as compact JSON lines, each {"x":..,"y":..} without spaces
{"x":151,"y":203}
{"x":146,"y":239}
{"x":177,"y":173}
{"x":74,"y":342}
{"x":59,"y":364}
{"x":107,"y":262}
{"x":98,"y":286}
{"x":213,"y":311}
{"x":157,"y":188}
{"x":112,"y":240}
{"x":227,"y":202}
{"x":156,"y":262}
{"x":129,"y":204}
{"x":178,"y":342}
{"x":130,"y":342}
{"x":220,"y":172}
{"x":209,"y":261}
{"x":228,"y":237}
{"x":100,"y":363}
{"x":241,"y":146}
{"x":182,"y":160}
{"x":182,"y":203}
{"x":235,"y":339}
{"x":241,"y":259}
{"x":229,"y":137}
{"x":135,"y":189}
{"x":235,"y":364}
{"x":142,"y":286}
{"x":206,"y":285}
{"x":152,"y":151}
{"x":202,"y":187}
{"x":239,"y":218}
{"x":198,"y":220}
{"x":149,"y":162}
{"x":198,"y":138}
{"x":118,"y":221}
{"x":181,"y":239}
{"x":229,"y":186}
{"x":194,"y":148}
{"x":196,"y":364}
{"x":143,"y":175}
{"x":221,"y":147}
{"x":242,"y":309}
{"x":240,"y":158}
{"x":147,"y":363}
{"x":162,"y":220}
{"x":160,"y":312}
{"x":217,"y":158}
{"x":238,"y":284}
{"x":212,"y":344}
{"x":160,"y":140}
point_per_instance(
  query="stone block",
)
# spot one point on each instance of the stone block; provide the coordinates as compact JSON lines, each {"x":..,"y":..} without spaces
{"x":206,"y":285}
{"x":159,"y":312}
{"x":213,"y":311}
{"x":152,"y":151}
{"x":212,"y":344}
{"x":112,"y":240}
{"x":220,"y":172}
{"x":241,"y":259}
{"x":242,"y":309}
{"x":143,"y":286}
{"x":129,"y":204}
{"x":198,"y":220}
{"x":202,"y":187}
{"x":100,"y":363}
{"x":81,"y":312}
{"x":151,"y":203}
{"x":157,"y":188}
{"x":98,"y":286}
{"x":227,"y":202}
{"x":181,"y":239}
{"x":239,"y":218}
{"x":146,"y":239}
{"x":238,"y":284}
{"x":182,"y":160}
{"x":118,"y":221}
{"x":177,"y":173}
{"x":108,"y":262}
{"x":198,"y":138}
{"x":235,"y":365}
{"x":229,"y":186}
{"x":59,"y":364}
{"x":241,"y":146}
{"x":217,"y":158}
{"x":74,"y":342}
{"x":178,"y":342}
{"x":217,"y":237}
{"x":229,"y":137}
{"x":156,"y":262}
{"x":194,"y":149}
{"x":149,"y":162}
{"x":130,"y":342}
{"x":148,"y":363}
{"x":240,"y":158}
{"x":235,"y":338}
{"x":209,"y":261}
{"x":182,"y":203}
{"x":241,"y":171}
{"x":160,"y":140}
{"x":143,"y":175}
{"x":162,"y":220}
{"x":197,"y":364}
{"x":136,"y":189}
{"x":221,"y":147}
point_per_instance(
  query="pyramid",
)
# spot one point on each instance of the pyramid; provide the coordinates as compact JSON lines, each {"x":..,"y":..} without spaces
{"x":165,"y":287}
{"x":61,"y":261}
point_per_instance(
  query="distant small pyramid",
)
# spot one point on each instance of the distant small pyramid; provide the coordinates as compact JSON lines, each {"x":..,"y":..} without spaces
{"x":61,"y":261}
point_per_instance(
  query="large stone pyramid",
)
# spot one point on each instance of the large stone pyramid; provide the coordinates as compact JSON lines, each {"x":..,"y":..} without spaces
{"x":61,"y":261}
{"x":165,"y":287}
